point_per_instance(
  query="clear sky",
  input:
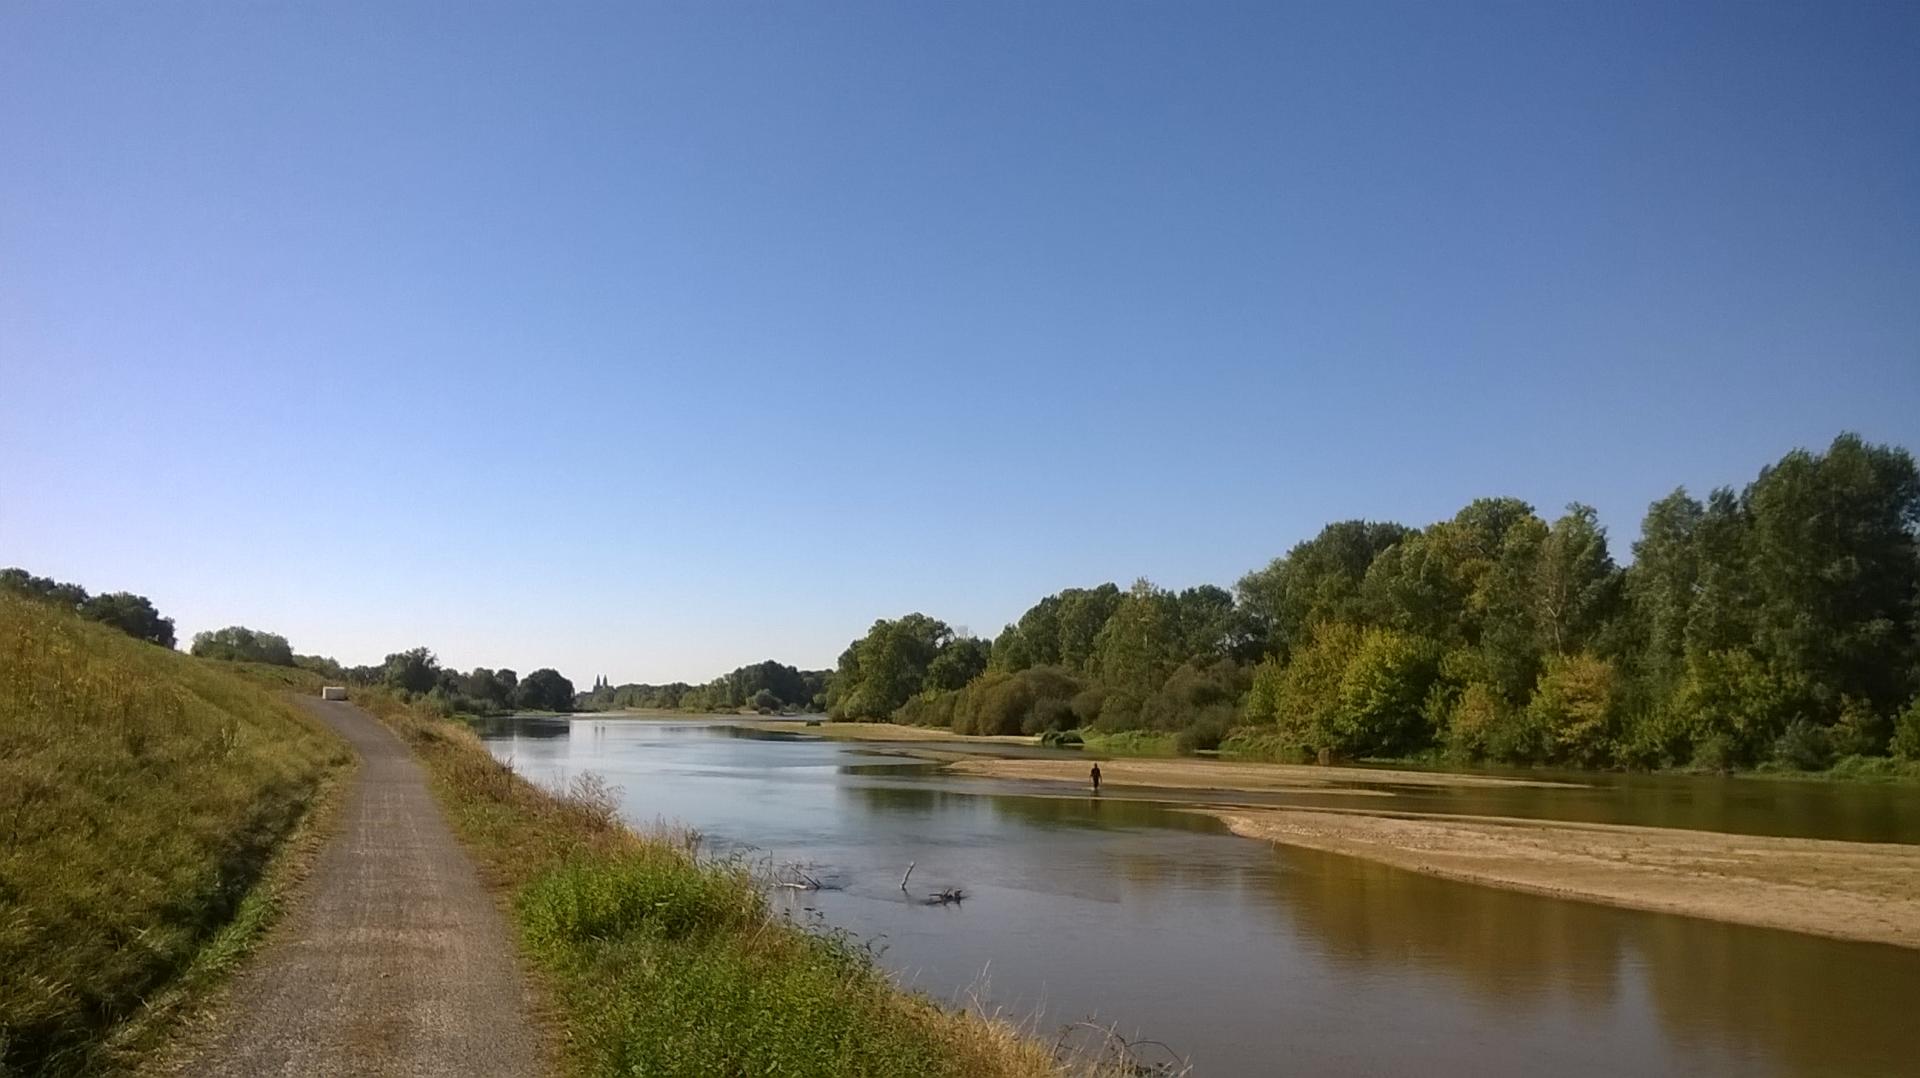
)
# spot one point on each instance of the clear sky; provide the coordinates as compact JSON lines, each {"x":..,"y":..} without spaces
{"x":649,"y":340}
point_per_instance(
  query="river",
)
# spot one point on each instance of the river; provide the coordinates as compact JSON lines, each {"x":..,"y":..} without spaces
{"x":1250,"y":959}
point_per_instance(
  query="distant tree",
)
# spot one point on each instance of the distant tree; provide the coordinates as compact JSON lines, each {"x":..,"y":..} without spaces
{"x":1318,"y":580}
{"x":413,"y":670}
{"x":131,"y":614}
{"x":42,"y":588}
{"x":959,"y":662}
{"x":544,"y":690}
{"x":241,"y":644}
{"x":1575,"y":583}
{"x":322,"y":665}
{"x":884,"y":669}
{"x":1141,"y":641}
{"x":1575,"y":711}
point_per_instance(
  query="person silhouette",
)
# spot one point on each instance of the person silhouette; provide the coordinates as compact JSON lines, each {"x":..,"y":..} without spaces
{"x":1096,"y":778}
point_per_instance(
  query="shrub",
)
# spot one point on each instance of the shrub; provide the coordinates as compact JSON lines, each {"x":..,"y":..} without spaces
{"x":1738,"y":703}
{"x":1087,"y":705}
{"x":1476,"y":714}
{"x":928,"y":709}
{"x":1036,"y":699}
{"x":1906,"y":732}
{"x":1205,"y":735}
{"x":1803,"y":747}
{"x":1196,"y":693}
{"x":1572,"y":712}
{"x":1859,"y":731}
{"x":241,"y":644}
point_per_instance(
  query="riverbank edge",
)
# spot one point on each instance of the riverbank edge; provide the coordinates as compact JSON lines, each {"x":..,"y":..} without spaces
{"x":1663,"y":870}
{"x":1824,"y":900}
{"x":557,"y":857}
{"x":1149,"y":745}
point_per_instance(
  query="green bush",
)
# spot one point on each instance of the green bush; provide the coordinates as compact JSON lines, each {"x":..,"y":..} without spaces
{"x":241,"y":644}
{"x":1803,"y":746}
{"x":1906,"y":732}
{"x":1087,"y":705}
{"x":1572,"y":714}
{"x":1032,"y":701}
{"x":928,"y":709}
{"x":663,"y":896}
{"x":1196,"y":694}
{"x":1859,"y":731}
{"x":1204,"y":735}
{"x":1738,"y":704}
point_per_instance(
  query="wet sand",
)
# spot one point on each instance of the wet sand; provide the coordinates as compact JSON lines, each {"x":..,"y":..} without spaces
{"x":1848,"y":890}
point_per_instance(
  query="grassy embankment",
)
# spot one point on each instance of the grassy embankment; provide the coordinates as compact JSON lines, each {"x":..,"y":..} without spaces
{"x":659,"y":963}
{"x":143,"y":795}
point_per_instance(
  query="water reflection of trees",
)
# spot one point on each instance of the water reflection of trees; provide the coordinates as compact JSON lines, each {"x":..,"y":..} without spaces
{"x":1850,"y":811}
{"x":533,"y":728}
{"x":1816,"y":1006}
{"x":1820,"y":1006}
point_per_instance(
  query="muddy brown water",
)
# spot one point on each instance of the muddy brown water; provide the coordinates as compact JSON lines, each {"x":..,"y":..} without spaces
{"x":1248,"y":959}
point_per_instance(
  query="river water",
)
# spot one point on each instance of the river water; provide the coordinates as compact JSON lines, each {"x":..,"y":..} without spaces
{"x":1250,"y":959}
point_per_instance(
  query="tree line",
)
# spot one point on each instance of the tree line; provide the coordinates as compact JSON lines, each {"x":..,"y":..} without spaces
{"x":131,"y":614}
{"x":1776,"y":624}
{"x":416,"y":671}
{"x":768,"y":687}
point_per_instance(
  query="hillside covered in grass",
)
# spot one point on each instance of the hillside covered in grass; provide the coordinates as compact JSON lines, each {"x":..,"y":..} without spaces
{"x":141,"y":794}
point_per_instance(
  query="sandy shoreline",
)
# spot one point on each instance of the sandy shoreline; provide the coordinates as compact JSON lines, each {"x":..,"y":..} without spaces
{"x":1848,"y":890}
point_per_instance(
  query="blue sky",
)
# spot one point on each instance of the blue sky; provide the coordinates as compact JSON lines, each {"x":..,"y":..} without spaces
{"x":648,"y":340}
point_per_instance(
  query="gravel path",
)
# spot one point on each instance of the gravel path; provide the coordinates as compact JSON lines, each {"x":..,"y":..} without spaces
{"x":395,"y":960}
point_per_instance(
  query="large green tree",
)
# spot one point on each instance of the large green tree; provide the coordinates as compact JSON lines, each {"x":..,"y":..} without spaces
{"x":1318,"y":580}
{"x":885,"y":668}
{"x":544,"y":690}
{"x":131,"y":614}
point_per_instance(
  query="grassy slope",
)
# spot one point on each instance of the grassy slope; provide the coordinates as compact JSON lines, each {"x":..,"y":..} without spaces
{"x":142,"y":793}
{"x":661,"y":964}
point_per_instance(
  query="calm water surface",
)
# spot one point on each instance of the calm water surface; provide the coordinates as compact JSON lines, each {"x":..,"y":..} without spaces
{"x":1257,"y":960}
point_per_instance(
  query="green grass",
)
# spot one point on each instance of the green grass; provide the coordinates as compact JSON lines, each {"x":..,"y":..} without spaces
{"x":659,"y":963}
{"x":1130,"y":743}
{"x":142,"y":794}
{"x":1868,"y":769}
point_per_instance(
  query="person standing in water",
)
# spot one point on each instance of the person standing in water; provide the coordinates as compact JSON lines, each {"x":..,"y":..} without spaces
{"x":1096,"y":778}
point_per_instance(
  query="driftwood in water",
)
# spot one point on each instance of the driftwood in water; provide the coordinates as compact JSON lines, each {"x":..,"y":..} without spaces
{"x":903,"y":879}
{"x":805,"y":883}
{"x":944,"y":896}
